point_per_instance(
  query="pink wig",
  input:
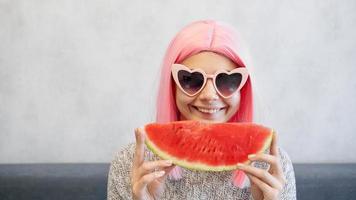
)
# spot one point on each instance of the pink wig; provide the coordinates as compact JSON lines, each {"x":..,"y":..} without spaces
{"x":206,"y":35}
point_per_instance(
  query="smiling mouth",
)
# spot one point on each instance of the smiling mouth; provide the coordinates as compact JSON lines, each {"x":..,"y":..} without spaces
{"x":208,"y":110}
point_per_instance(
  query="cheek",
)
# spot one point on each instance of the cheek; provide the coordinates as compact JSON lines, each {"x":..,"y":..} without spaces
{"x":233,"y":102}
{"x":182,"y":101}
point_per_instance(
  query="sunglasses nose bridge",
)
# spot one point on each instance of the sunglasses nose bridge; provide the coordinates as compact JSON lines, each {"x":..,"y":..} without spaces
{"x":209,"y":90}
{"x":212,"y":78}
{"x":209,"y":76}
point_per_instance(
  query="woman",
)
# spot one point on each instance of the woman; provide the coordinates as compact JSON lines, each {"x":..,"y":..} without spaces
{"x":206,"y":47}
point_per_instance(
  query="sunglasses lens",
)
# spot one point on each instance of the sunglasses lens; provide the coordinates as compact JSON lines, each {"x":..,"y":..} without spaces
{"x":190,"y":82}
{"x":228,"y":84}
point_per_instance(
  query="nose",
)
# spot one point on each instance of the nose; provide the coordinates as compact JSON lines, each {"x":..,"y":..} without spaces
{"x":209,"y":93}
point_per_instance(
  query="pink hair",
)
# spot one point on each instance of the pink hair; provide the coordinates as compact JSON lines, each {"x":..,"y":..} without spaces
{"x":205,"y":35}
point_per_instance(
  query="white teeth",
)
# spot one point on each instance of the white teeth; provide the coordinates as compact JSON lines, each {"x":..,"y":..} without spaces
{"x":210,"y":111}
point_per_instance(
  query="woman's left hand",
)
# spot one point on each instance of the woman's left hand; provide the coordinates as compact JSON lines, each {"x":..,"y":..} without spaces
{"x":266,"y":184}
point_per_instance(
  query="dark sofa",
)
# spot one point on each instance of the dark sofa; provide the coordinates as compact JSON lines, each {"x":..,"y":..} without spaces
{"x":88,"y":181}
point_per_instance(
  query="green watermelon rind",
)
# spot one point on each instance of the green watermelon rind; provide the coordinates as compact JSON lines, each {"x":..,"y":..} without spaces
{"x":201,"y":166}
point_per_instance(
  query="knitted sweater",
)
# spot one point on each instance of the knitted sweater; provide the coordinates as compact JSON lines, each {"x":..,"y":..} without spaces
{"x":194,"y":184}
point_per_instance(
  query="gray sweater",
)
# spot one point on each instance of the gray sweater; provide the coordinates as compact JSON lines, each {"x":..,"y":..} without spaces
{"x":194,"y":184}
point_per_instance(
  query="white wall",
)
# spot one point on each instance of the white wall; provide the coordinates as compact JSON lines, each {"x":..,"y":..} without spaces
{"x":76,"y":77}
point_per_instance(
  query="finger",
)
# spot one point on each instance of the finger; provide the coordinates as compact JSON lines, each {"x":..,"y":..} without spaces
{"x":266,"y":189}
{"x":272,"y":160}
{"x":274,"y":146}
{"x":262,"y":174}
{"x":140,"y":150}
{"x":275,"y":165}
{"x":148,"y":178}
{"x":275,"y":152}
{"x":148,"y":167}
{"x":167,"y":171}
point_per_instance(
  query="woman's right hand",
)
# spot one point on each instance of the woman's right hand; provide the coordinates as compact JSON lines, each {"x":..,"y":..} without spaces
{"x":147,"y":178}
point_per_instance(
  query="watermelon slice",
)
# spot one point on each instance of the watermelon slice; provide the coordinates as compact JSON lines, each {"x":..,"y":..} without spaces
{"x":207,"y":146}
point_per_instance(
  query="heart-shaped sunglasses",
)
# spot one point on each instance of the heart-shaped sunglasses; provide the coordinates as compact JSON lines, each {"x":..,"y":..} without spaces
{"x":191,"y":82}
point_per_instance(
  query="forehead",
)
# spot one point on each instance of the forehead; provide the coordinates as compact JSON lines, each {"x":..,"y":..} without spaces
{"x":210,"y":62}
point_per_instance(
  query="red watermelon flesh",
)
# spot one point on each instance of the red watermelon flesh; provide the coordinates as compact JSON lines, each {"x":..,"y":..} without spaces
{"x":207,"y":146}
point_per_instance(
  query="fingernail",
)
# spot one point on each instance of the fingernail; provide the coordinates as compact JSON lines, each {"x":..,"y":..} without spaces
{"x":251,"y":156}
{"x":160,"y":173}
{"x":240,"y":165}
{"x":168,"y":162}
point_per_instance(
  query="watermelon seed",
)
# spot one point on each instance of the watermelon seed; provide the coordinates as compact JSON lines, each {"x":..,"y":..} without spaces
{"x":214,"y":150}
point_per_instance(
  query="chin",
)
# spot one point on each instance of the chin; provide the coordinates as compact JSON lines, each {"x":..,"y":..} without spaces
{"x":212,"y":121}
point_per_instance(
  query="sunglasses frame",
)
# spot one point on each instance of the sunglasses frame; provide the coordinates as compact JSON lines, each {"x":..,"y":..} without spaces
{"x":241,"y":70}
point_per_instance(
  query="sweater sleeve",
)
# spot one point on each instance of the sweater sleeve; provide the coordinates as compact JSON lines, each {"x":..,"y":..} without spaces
{"x":289,"y":190}
{"x":119,"y":183}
